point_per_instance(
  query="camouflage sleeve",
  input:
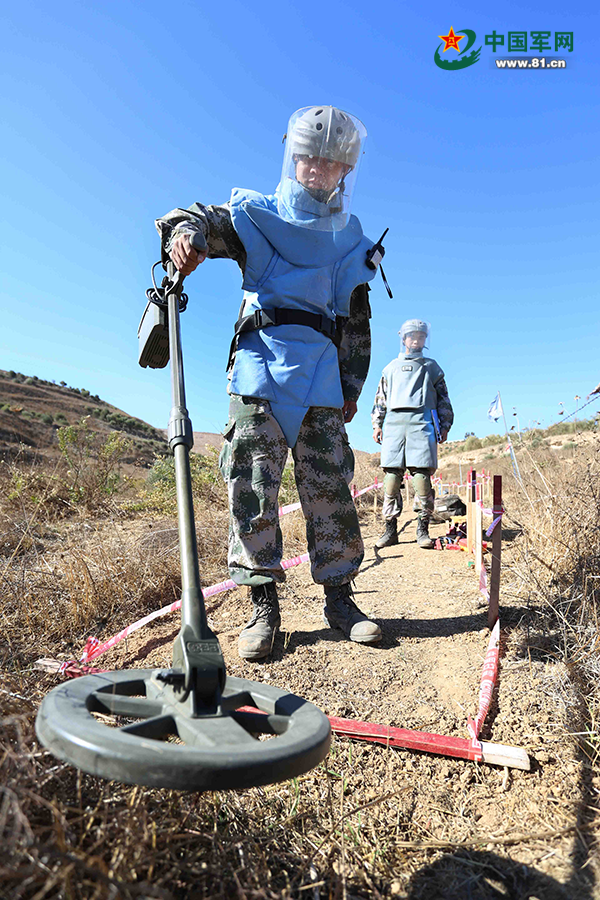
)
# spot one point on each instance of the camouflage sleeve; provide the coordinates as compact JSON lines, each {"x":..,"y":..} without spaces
{"x":444,"y":407}
{"x":215,"y":224}
{"x":355,"y":345}
{"x":380,"y":405}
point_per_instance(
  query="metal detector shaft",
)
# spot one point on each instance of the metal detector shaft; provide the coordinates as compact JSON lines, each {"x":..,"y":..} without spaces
{"x":196,"y":649}
{"x":142,"y":711}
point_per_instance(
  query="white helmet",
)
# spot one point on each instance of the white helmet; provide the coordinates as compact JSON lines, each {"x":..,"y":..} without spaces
{"x":415,"y":325}
{"x":327,"y":133}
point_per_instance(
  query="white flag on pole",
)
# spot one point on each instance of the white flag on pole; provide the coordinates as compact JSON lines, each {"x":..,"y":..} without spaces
{"x":495,"y":411}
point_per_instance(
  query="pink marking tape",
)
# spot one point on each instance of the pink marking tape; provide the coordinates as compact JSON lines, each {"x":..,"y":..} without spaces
{"x":488,"y":682}
{"x":94,"y":648}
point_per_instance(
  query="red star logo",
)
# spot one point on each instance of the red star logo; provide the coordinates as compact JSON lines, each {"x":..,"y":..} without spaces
{"x":451,"y":40}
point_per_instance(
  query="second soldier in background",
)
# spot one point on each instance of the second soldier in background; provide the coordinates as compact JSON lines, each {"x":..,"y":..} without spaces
{"x":411,"y":413}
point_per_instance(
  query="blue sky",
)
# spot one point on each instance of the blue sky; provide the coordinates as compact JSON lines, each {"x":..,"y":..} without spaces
{"x":487,"y":179}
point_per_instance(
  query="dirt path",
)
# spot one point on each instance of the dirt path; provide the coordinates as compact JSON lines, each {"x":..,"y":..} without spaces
{"x":425,"y":675}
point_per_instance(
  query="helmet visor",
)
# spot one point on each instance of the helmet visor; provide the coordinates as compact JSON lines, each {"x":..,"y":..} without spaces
{"x":320,"y":165}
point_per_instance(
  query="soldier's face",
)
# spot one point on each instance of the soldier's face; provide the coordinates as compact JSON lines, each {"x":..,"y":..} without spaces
{"x":318,"y":173}
{"x":415,"y":340}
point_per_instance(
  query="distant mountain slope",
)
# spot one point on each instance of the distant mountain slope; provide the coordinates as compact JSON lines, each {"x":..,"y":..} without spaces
{"x":32,"y":410}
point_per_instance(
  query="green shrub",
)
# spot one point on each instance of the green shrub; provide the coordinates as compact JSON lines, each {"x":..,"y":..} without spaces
{"x":492,"y":439}
{"x":473,"y":443}
{"x":537,"y":441}
{"x":47,"y":419}
{"x":93,"y":462}
{"x":571,"y":427}
{"x":207,"y":483}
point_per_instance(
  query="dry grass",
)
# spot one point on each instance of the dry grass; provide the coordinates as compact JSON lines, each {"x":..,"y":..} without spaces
{"x":363,"y":823}
{"x":556,"y":565}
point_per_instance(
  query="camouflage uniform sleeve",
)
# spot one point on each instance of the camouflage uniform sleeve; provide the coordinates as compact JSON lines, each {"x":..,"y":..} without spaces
{"x":355,"y":345}
{"x":380,"y":405}
{"x":444,"y":407}
{"x":214,"y":222}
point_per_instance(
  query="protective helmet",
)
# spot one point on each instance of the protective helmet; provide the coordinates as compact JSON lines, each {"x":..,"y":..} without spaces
{"x":328,"y":132}
{"x":320,"y":132}
{"x":412,"y":325}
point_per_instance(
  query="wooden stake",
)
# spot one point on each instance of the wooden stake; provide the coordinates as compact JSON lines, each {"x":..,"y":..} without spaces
{"x":471,"y":496}
{"x":477,"y":540}
{"x":461,"y":748}
{"x":493,"y":611}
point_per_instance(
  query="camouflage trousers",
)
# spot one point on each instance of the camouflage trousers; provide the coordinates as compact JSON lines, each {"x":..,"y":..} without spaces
{"x":392,"y":488}
{"x":252,"y":461}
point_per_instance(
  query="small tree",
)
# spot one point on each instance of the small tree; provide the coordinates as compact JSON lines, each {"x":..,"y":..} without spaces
{"x":93,"y":462}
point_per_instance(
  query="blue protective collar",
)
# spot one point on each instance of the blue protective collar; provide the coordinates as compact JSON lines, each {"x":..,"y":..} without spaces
{"x":303,"y":246}
{"x":297,"y":206}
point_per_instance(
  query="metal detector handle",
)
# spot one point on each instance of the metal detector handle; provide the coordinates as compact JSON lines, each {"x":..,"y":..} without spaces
{"x":198,"y":242}
{"x":196,"y":649}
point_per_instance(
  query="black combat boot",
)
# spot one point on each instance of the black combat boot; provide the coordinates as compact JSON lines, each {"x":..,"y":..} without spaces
{"x":423,"y":539}
{"x":256,"y":640}
{"x":390,"y":535}
{"x":340,"y":611}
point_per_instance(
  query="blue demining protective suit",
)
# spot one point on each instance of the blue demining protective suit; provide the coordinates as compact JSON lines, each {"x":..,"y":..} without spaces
{"x":294,"y":267}
{"x":408,"y":433}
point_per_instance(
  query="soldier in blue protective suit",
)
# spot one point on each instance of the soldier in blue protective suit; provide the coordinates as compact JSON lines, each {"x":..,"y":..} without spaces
{"x":297,"y":363}
{"x":411,"y":413}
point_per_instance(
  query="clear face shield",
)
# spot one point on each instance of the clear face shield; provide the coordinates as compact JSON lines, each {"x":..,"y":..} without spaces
{"x":322,"y":152}
{"x":414,"y":337}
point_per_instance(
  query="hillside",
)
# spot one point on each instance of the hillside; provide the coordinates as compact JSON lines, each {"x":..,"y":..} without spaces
{"x":32,"y":411}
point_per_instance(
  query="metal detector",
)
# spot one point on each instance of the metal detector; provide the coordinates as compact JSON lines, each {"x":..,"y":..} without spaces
{"x":184,"y":727}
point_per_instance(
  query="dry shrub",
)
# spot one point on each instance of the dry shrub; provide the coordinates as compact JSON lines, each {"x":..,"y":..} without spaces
{"x":557,"y":560}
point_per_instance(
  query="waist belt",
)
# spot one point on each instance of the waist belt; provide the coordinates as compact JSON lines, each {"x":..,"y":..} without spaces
{"x":263,"y":318}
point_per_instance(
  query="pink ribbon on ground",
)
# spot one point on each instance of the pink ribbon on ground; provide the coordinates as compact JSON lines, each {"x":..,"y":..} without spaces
{"x":489,"y":675}
{"x":371,"y":487}
{"x":94,"y":648}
